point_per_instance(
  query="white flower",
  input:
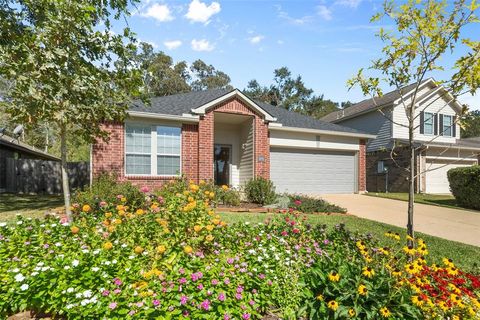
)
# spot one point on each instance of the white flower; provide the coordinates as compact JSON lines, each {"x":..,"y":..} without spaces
{"x":69,"y":306}
{"x":24,"y":287}
{"x":131,"y":257}
{"x":40,"y":264}
{"x":34,"y":274}
{"x":124,"y":245}
{"x":96,"y":251}
{"x":107,"y":263}
{"x":114,"y":261}
{"x":95,"y":269}
{"x":78,"y":295}
{"x":3,"y":224}
{"x":75,"y":262}
{"x":85,"y":250}
{"x":16,"y":270}
{"x":19,"y":222}
{"x":84,"y":302}
{"x":19,"y":277}
{"x":66,"y":267}
{"x":70,"y":290}
{"x":45,"y":268}
{"x":58,"y":244}
{"x":87,"y":293}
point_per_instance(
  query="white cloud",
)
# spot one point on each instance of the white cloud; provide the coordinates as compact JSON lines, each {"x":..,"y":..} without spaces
{"x":174,"y":44}
{"x":256,"y":39}
{"x":349,"y":3}
{"x":200,"y":12}
{"x":202,"y":45}
{"x":280,"y":42}
{"x":324,"y":12}
{"x":296,"y":21}
{"x":159,"y":12}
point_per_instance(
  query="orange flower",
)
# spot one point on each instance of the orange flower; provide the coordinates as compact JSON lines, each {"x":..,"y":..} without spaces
{"x":75,"y":229}
{"x":187,"y":249}
{"x":86,"y":208}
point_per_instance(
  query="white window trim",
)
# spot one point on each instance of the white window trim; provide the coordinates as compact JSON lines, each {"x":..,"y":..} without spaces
{"x":433,"y":124}
{"x":153,"y":151}
{"x":444,"y":133}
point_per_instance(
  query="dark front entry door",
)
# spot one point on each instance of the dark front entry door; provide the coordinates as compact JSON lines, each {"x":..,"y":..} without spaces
{"x":222,"y":158}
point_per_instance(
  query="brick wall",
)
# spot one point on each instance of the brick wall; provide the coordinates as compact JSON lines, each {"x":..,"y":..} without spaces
{"x":362,"y":175}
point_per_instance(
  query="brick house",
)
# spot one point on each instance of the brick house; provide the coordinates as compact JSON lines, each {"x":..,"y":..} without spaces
{"x":224,"y":136}
{"x":437,"y":138}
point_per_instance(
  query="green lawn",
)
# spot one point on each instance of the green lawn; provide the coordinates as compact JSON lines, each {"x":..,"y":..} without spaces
{"x":33,"y":206}
{"x":442,"y":200}
{"x":464,"y":255}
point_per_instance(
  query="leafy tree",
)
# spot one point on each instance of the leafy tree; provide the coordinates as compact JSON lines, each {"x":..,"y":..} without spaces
{"x":206,"y":77}
{"x":470,"y":124}
{"x":59,"y":56}
{"x":292,"y":94}
{"x":425,"y":32}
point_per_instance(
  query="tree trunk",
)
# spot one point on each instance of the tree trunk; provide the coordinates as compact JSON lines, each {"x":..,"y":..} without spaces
{"x":411,"y":184}
{"x":65,"y":183}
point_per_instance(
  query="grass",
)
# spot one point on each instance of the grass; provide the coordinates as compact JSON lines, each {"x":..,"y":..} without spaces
{"x":464,"y":255}
{"x":33,"y":206}
{"x":441,"y":200}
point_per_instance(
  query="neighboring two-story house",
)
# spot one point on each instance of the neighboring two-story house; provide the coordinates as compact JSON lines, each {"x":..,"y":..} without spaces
{"x":437,"y":136}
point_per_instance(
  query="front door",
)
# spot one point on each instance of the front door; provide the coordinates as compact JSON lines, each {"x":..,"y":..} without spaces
{"x":222,"y":159}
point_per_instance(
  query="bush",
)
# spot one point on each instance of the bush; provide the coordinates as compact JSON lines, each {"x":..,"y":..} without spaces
{"x":307,"y":204}
{"x":465,"y":186}
{"x":261,"y":191}
{"x":107,"y":189}
{"x":228,"y":196}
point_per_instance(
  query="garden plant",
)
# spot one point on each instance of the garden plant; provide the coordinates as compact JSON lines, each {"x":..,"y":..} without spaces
{"x":174,"y":258}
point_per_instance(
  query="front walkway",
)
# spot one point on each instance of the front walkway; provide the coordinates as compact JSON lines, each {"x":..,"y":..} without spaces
{"x":447,"y":223}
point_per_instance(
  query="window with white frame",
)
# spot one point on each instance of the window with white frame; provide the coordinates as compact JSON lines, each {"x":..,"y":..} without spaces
{"x":428,"y":123}
{"x":152,"y":150}
{"x":447,"y":125}
{"x":168,"y":150}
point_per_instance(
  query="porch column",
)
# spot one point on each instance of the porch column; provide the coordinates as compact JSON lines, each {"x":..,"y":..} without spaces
{"x":262,"y":149}
{"x":205,"y":147}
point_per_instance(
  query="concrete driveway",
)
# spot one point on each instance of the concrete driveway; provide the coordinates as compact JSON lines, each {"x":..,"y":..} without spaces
{"x":451,"y":224}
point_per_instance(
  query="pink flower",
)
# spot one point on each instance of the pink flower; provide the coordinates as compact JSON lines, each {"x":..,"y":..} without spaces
{"x":144,"y":189}
{"x":182,"y":280}
{"x":139,"y":304}
{"x":221,"y":297}
{"x":105,"y":293}
{"x":238,"y":296}
{"x":284,"y":233}
{"x":117,"y":291}
{"x":160,"y":200}
{"x":295,"y":230}
{"x":117,"y":282}
{"x":226,"y":317}
{"x":246,"y":316}
{"x":298,"y":202}
{"x":156,"y":302}
{"x":205,"y":304}
{"x":200,"y":287}
{"x":112,"y":305}
{"x":214,"y":282}
{"x":251,"y":302}
{"x":119,"y":196}
{"x":230,"y":260}
{"x":103,"y":204}
{"x":183,"y":300}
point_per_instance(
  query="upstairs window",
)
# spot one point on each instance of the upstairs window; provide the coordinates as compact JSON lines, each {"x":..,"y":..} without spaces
{"x":428,"y":123}
{"x":448,"y":126}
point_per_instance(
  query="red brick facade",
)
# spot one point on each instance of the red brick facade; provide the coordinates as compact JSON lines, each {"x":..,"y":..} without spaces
{"x":362,"y":168}
{"x":197,"y":148}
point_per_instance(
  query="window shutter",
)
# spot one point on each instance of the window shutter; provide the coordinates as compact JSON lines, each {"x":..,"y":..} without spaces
{"x":454,"y":127}
{"x":435,"y":124}
{"x":441,"y":124}
{"x":422,"y":122}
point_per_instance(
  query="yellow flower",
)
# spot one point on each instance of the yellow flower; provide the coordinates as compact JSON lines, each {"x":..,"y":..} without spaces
{"x":123,"y":199}
{"x":409,"y":250}
{"x":86,"y":208}
{"x":194,"y":187}
{"x":211,"y":212}
{"x":197,"y":228}
{"x":385,"y":312}
{"x":190,"y":199}
{"x":201,"y":182}
{"x":216,"y":221}
{"x":187,"y":249}
{"x":107,"y":245}
{"x":368,"y":272}
{"x":332,"y":304}
{"x":351,"y":313}
{"x":443,"y":305}
{"x":411,"y":268}
{"x":161,"y":249}
{"x":75,"y":229}
{"x":108,"y":214}
{"x":211,"y":195}
{"x":185,"y":193}
{"x":452,"y":271}
{"x":334,"y":276}
{"x":224,"y":187}
{"x":418,"y":301}
{"x":362,"y":290}
{"x":138,"y":249}
{"x":120,"y":207}
{"x":140,"y":212}
{"x":384,"y":251}
{"x":448,"y":262}
{"x":117,"y":221}
{"x":319,"y":297}
{"x":111,"y":228}
{"x":396,"y":272}
{"x":209,"y":237}
{"x":210,"y":227}
{"x":422,"y":250}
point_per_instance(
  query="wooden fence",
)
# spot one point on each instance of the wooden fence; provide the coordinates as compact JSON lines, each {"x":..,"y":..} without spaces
{"x":41,"y":176}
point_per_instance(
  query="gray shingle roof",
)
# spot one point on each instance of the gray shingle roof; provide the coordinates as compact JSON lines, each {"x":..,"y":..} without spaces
{"x":369,"y":104}
{"x":182,"y":103}
{"x":23,"y":147}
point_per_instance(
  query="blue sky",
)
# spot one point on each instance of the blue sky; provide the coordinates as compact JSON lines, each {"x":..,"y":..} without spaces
{"x":326,"y":42}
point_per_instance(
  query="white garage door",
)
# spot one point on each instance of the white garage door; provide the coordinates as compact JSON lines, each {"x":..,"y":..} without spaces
{"x":436,"y":180}
{"x":313,"y":172}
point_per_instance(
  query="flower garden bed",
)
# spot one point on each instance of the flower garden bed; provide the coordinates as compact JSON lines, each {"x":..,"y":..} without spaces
{"x":175,"y":259}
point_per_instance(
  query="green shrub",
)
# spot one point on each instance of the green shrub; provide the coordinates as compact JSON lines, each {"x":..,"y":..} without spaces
{"x":227,"y":196}
{"x":307,"y":204}
{"x":260,"y":190}
{"x":465,"y":186}
{"x":106,"y":188}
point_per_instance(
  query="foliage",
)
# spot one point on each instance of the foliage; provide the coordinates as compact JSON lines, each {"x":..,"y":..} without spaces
{"x":206,"y":77}
{"x":292,"y":94}
{"x":174,"y":258}
{"x":470,"y":124}
{"x":306,"y":204}
{"x":227,"y":196}
{"x":107,"y":189}
{"x":465,"y":186}
{"x":260,"y":190}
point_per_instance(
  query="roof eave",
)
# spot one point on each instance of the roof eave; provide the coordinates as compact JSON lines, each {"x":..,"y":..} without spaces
{"x":362,"y":113}
{"x":162,"y":116}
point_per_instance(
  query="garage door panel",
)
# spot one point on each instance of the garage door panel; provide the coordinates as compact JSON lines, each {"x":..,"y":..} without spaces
{"x":304,"y":171}
{"x":436,"y":180}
